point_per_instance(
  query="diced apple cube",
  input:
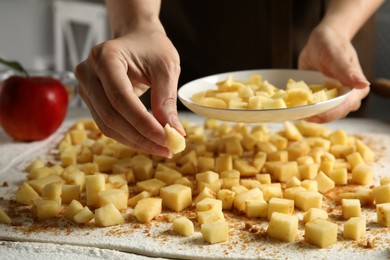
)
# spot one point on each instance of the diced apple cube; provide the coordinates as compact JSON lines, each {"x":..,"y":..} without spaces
{"x":350,"y":208}
{"x":289,"y":193}
{"x":74,"y":207}
{"x":45,"y":209}
{"x":117,"y":197}
{"x":308,"y":199}
{"x":206,"y":163}
{"x":362,"y":174}
{"x":26,"y":194}
{"x":355,"y":228}
{"x":93,"y":185}
{"x":104,"y":162}
{"x":227,"y":198}
{"x":168,"y":177}
{"x":366,"y":153}
{"x":293,"y":182}
{"x":38,"y":184}
{"x":205,"y":193}
{"x":223,"y":163}
{"x":283,"y":227}
{"x":209,"y":204}
{"x":245,"y":168}
{"x":108,"y":215}
{"x":215,"y":232}
{"x":382,"y":193}
{"x":4,"y":218}
{"x":183,"y":226}
{"x":147,"y":209}
{"x":324,"y":183}
{"x":308,"y":171}
{"x":310,"y":185}
{"x":383,"y":214}
{"x":256,"y":208}
{"x":365,"y":195}
{"x":70,"y":192}
{"x":250,"y":183}
{"x":271,"y":190}
{"x":280,"y":205}
{"x":175,"y":141}
{"x":314,"y":213}
{"x":142,"y":167}
{"x":209,"y":216}
{"x":134,"y":200}
{"x":264,"y":178}
{"x":239,"y":199}
{"x":176,"y":197}
{"x":152,"y":186}
{"x":339,"y":176}
{"x":83,"y":216}
{"x":321,"y":233}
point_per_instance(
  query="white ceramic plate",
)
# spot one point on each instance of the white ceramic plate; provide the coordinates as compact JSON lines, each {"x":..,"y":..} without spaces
{"x":276,"y":77}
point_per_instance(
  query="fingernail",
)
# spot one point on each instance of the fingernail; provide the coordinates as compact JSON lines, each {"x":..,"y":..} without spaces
{"x":175,"y":122}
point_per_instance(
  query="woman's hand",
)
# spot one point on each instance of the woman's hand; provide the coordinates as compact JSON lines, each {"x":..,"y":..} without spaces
{"x":117,"y":72}
{"x":333,"y":54}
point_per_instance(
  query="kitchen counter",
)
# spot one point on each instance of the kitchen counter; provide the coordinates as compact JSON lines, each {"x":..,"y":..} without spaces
{"x":12,"y":154}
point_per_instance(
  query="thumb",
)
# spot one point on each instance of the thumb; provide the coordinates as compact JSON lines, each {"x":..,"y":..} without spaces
{"x":164,"y":99}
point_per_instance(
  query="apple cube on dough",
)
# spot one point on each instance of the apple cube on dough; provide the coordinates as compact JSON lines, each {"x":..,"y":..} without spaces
{"x":205,"y":193}
{"x":283,"y":226}
{"x":26,"y":194}
{"x":117,"y":197}
{"x":93,"y":185}
{"x":209,"y":204}
{"x":175,"y":141}
{"x":256,"y":208}
{"x":350,"y":208}
{"x":280,"y":205}
{"x":45,"y":209}
{"x":176,"y":197}
{"x":215,"y":232}
{"x":239,"y":199}
{"x":152,"y":186}
{"x":70,"y":192}
{"x":134,"y":200}
{"x":4,"y":218}
{"x":382,"y":193}
{"x":355,"y":228}
{"x":74,"y":207}
{"x":183,"y":226}
{"x":147,"y":209}
{"x":227,"y":198}
{"x":324,"y":182}
{"x":83,"y":216}
{"x":314,"y":213}
{"x":38,"y":184}
{"x":321,"y":233}
{"x":308,"y":199}
{"x":362,"y":174}
{"x":108,"y":215}
{"x":209,"y":216}
{"x":383,"y":214}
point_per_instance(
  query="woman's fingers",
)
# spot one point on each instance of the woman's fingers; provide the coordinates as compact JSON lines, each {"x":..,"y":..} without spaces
{"x":352,"y":103}
{"x":112,"y":123}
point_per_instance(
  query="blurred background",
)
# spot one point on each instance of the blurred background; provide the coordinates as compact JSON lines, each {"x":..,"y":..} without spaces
{"x":57,"y":35}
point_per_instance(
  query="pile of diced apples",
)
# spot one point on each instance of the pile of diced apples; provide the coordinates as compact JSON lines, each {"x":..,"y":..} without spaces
{"x":258,"y":93}
{"x":223,"y":167}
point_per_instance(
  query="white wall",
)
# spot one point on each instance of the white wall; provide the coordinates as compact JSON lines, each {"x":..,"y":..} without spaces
{"x":26,"y":32}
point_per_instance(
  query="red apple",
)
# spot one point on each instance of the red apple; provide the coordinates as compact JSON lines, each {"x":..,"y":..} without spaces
{"x":32,"y":108}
